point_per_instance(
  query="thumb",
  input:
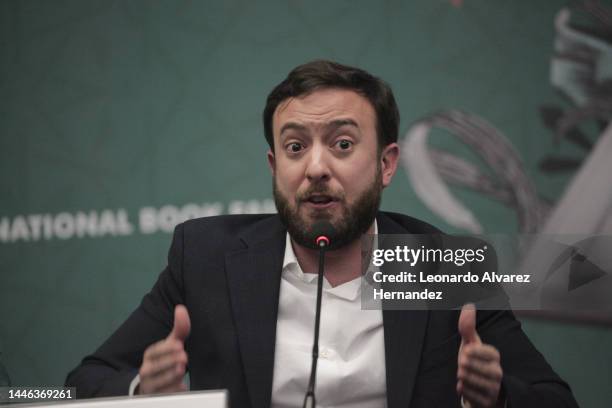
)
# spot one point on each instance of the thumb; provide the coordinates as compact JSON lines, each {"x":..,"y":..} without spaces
{"x":467,"y":325}
{"x":182,"y":324}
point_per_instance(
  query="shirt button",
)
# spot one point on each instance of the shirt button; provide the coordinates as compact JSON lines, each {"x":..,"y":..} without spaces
{"x":324,"y":353}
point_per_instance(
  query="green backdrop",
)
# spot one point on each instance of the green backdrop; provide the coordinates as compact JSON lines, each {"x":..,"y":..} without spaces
{"x":147,"y":109}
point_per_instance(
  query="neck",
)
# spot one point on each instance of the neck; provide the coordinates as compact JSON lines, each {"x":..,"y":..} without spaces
{"x":341,"y":265}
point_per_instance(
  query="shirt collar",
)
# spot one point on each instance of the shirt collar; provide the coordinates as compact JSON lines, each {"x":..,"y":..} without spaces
{"x":348,"y":290}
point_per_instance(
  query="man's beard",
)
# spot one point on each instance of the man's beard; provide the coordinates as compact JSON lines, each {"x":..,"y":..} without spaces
{"x":354,"y":220}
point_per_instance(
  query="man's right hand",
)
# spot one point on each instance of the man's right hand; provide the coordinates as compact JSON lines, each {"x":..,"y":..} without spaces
{"x":164,"y":363}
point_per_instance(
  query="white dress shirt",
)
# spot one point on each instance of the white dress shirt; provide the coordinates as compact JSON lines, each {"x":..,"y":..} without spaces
{"x":351,"y":366}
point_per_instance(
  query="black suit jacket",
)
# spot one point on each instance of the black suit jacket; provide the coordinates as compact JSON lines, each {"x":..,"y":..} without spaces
{"x":227,"y":271}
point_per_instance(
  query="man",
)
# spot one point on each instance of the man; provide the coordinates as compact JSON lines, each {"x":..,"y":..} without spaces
{"x":248,"y":284}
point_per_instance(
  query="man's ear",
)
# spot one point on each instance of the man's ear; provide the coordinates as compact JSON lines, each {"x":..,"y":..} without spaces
{"x":388,"y":161}
{"x":271,"y":161}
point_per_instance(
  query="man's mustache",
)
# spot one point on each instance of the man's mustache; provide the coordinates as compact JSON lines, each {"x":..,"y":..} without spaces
{"x":319,"y":191}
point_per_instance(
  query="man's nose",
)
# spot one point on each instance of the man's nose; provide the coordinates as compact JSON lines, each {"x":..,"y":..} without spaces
{"x":318,"y":168}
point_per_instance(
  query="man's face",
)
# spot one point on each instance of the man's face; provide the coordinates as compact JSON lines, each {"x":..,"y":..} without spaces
{"x":326,"y":165}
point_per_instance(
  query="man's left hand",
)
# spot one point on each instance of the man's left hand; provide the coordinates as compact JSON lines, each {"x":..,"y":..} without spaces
{"x":479,"y":371}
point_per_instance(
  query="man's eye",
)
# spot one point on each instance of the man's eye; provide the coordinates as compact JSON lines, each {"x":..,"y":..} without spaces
{"x":294,"y":147}
{"x":344,"y":144}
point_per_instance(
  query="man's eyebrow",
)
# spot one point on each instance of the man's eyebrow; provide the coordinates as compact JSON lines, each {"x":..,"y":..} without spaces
{"x":329,"y":127}
{"x":293,"y":126}
{"x":335,"y":124}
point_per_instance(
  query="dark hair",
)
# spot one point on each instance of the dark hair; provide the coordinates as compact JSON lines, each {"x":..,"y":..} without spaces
{"x":320,"y":74}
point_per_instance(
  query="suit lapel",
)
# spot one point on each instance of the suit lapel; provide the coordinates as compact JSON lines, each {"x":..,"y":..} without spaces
{"x":253,"y":276}
{"x":404,"y":332}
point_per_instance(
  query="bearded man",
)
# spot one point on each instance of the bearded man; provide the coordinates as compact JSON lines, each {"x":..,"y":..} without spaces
{"x":235,"y":305}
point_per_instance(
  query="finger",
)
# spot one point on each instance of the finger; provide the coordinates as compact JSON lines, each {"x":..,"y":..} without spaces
{"x":475,"y":399}
{"x":483,"y":385}
{"x":168,"y":380}
{"x":153,"y":368}
{"x":482,"y":352}
{"x":488,"y":371}
{"x":467,"y":324}
{"x":482,"y":361}
{"x":162,"y":348}
{"x":182,"y":323}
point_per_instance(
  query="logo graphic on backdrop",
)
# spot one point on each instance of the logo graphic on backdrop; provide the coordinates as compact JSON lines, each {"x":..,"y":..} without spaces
{"x":581,"y":70}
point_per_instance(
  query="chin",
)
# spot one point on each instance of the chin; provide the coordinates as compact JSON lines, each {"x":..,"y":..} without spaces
{"x":319,"y":216}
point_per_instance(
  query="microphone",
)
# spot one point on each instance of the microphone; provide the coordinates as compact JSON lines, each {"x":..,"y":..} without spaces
{"x":322,"y":231}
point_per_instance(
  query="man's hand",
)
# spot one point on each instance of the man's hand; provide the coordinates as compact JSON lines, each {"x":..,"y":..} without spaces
{"x":163,"y":365}
{"x":479,"y":372}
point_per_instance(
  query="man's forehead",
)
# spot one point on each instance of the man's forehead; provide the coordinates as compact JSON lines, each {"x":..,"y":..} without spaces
{"x":322,"y":107}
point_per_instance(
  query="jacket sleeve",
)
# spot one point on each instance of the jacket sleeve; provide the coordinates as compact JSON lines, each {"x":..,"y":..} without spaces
{"x":111,"y":368}
{"x":528,"y":381}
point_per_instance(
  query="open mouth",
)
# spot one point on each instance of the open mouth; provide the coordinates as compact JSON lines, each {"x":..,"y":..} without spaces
{"x":320,"y":200}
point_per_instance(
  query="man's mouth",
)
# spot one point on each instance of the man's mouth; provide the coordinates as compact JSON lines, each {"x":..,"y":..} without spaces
{"x":320,"y":200}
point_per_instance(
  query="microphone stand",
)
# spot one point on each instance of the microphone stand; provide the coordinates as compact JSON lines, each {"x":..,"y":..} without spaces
{"x":309,"y":398}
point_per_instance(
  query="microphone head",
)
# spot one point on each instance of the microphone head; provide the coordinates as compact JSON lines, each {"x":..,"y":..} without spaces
{"x":322,"y":241}
{"x":323,"y":232}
